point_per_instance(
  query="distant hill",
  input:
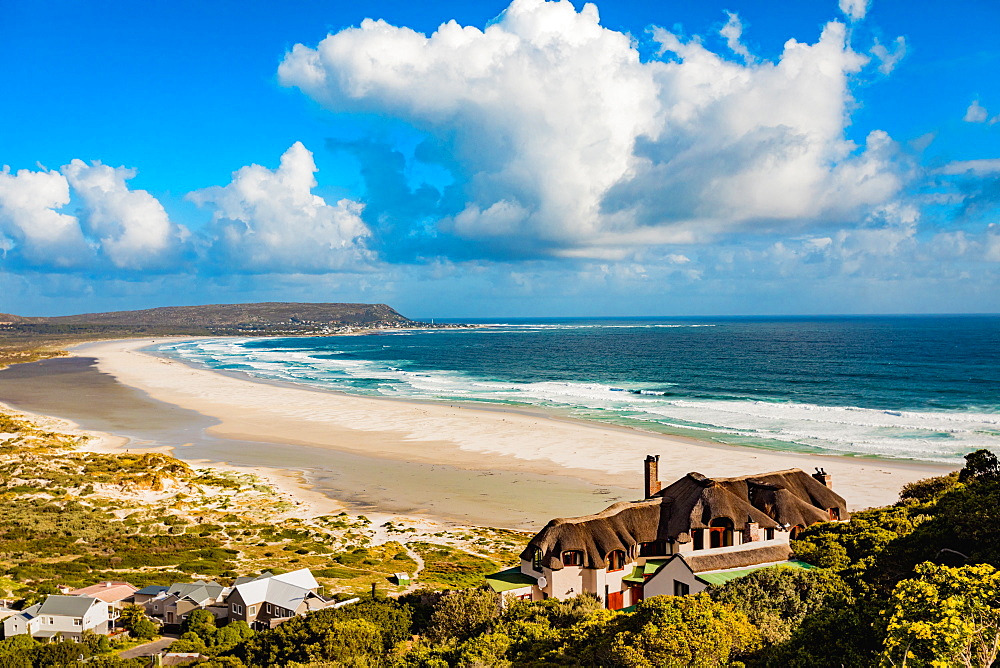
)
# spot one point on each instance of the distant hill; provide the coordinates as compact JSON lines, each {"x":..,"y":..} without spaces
{"x":25,"y":339}
{"x":266,"y":318}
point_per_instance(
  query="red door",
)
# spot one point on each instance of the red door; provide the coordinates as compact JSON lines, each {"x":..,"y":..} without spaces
{"x":636,"y":594}
{"x":615,"y":600}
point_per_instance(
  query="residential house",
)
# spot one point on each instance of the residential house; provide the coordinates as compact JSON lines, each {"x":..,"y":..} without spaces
{"x":674,"y":540}
{"x":67,"y":616}
{"x":116,"y":594}
{"x":172,"y":604}
{"x":266,"y":601}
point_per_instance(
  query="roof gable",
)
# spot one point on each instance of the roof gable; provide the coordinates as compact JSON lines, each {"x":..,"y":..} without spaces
{"x":68,"y":606}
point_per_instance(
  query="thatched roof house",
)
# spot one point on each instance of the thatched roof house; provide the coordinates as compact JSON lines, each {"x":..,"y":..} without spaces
{"x":777,"y":501}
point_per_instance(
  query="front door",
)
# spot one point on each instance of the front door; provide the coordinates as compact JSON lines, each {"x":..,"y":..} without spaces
{"x":636,"y":594}
{"x":615,"y":600}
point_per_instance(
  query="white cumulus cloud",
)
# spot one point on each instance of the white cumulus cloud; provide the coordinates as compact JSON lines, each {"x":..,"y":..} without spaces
{"x":270,"y":221}
{"x":131,"y":226}
{"x":889,"y":59}
{"x":976,"y":113}
{"x":569,"y":144}
{"x":30,"y":225}
{"x":855,"y":10}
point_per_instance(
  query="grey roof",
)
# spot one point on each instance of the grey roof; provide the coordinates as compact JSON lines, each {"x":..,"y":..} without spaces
{"x":199,"y":591}
{"x":68,"y":606}
{"x":152,"y":590}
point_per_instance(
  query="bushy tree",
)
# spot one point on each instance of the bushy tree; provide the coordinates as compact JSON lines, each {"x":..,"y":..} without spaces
{"x":331,"y":634}
{"x":462,"y":614}
{"x":980,"y":465}
{"x":683,"y":631}
{"x":944,"y":617}
{"x":134,"y":620}
{"x":776,"y":600}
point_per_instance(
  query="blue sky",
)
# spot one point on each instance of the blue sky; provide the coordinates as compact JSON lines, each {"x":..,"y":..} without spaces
{"x":484,"y":159}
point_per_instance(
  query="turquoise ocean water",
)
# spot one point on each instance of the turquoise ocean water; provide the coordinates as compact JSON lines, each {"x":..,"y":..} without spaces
{"x":923,"y":388}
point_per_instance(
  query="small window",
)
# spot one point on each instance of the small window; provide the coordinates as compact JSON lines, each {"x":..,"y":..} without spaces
{"x":656,"y":548}
{"x":572,"y":558}
{"x":616,"y":560}
{"x":156,"y":606}
{"x":77,"y":622}
{"x":681,"y":588}
{"x":768,"y":534}
{"x":536,"y":560}
{"x":834,"y":513}
{"x":269,"y":608}
{"x":252,"y":610}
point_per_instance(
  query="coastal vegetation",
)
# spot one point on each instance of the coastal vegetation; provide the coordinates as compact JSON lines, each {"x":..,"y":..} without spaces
{"x":914,"y":584}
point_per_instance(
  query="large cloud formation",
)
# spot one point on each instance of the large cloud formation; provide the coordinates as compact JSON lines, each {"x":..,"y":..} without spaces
{"x":129,"y":229}
{"x":563,"y":141}
{"x":270,"y":221}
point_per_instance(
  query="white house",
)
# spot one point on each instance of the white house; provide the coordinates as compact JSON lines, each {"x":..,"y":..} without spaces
{"x":67,"y":616}
{"x":669,"y":543}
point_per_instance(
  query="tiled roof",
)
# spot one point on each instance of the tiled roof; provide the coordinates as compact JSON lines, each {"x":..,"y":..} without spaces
{"x":109,"y":592}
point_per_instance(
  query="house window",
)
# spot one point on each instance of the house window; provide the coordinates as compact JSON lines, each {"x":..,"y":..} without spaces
{"x":795,"y":531}
{"x":681,"y":588}
{"x":252,"y":610}
{"x":616,"y":560}
{"x":834,"y":513}
{"x":269,"y":608}
{"x":720,"y":532}
{"x":656,"y":548}
{"x":238,"y":609}
{"x":156,"y":606}
{"x":698,"y":538}
{"x":768,"y":534}
{"x":524,"y":597}
{"x":572,"y":558}
{"x":536,"y":560}
{"x":77,"y":622}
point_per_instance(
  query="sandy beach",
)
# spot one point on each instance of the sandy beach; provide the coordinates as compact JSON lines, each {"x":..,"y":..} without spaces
{"x":468,"y":438}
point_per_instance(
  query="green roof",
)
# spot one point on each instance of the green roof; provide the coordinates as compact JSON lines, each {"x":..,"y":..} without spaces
{"x":635,"y":576}
{"x":512,"y":578}
{"x":654,"y":565}
{"x":721,"y":577}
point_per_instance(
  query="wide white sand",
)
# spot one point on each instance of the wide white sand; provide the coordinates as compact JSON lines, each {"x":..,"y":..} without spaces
{"x":466,"y":437}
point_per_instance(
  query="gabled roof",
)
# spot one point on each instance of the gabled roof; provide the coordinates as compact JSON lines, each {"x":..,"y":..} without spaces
{"x":198,"y":591}
{"x":68,"y":606}
{"x":771,"y":500}
{"x":287,"y":590}
{"x":109,"y":592}
{"x":152,"y":590}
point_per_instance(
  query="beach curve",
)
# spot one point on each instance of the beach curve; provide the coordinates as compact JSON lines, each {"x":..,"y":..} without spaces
{"x":467,"y":437}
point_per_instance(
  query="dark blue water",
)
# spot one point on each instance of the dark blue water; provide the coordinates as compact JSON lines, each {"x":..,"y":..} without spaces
{"x":917,"y":387}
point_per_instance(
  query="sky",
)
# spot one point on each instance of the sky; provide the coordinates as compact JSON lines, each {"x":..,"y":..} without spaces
{"x":484,"y":159}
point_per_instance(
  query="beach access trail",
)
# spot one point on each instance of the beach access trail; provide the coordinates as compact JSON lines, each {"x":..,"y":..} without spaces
{"x":471,"y":438}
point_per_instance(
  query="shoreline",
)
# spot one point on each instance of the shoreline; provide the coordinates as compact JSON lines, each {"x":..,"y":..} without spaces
{"x":471,"y":438}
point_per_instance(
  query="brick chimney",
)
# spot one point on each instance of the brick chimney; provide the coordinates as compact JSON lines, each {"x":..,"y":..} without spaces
{"x":653,"y":484}
{"x":822,"y":476}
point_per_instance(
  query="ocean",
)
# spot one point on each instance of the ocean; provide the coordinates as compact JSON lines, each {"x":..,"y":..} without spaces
{"x":925,"y":388}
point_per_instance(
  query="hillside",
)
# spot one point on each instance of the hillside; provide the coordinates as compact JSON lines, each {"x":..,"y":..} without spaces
{"x":24,"y":339}
{"x":213,"y":316}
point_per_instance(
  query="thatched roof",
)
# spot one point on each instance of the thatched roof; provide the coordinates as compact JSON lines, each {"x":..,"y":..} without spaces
{"x":771,"y":500}
{"x":717,"y":560}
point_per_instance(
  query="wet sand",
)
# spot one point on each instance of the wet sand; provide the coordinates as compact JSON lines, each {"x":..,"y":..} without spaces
{"x":456,"y":442}
{"x":74,"y":389}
